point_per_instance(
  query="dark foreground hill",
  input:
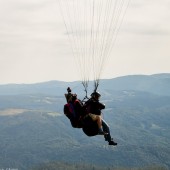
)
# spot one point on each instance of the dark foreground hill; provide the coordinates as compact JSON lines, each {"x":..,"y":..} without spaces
{"x":34,"y":133}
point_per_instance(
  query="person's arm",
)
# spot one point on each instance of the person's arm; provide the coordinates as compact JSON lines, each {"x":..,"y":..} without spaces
{"x":101,"y":106}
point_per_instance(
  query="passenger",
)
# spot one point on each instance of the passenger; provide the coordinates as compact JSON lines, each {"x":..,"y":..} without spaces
{"x":68,"y":96}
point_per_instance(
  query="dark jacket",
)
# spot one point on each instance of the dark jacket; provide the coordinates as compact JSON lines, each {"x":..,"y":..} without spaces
{"x":94,"y":106}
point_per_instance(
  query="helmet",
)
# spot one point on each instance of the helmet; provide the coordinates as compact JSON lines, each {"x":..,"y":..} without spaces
{"x":69,"y":89}
{"x":95,"y":94}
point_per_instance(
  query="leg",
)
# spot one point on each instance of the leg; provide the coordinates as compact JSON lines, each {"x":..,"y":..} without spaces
{"x":107,"y":136}
{"x":98,"y":119}
{"x":107,"y":130}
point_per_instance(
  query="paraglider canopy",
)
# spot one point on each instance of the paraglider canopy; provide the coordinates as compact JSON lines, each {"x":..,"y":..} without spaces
{"x":92,"y":27}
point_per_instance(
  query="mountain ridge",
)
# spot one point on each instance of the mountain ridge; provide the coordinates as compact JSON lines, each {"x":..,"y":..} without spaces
{"x":156,"y":83}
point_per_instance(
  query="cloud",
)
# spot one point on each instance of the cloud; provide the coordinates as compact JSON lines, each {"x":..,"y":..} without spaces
{"x":34,"y":44}
{"x":147,"y":18}
{"x":24,"y":21}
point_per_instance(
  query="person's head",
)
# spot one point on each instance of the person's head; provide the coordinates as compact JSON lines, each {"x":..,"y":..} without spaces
{"x":69,"y":90}
{"x":96,"y":95}
{"x":74,"y":96}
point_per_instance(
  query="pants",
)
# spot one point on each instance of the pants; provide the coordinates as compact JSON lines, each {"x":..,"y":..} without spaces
{"x":107,"y":130}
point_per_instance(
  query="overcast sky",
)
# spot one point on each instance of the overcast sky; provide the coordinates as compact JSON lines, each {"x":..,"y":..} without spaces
{"x":34,"y":45}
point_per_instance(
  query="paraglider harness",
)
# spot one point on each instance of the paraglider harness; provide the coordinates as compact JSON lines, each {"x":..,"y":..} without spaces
{"x":82,"y":119}
{"x":74,"y":117}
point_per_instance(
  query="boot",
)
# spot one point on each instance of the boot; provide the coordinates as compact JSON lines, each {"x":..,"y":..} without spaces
{"x":112,"y":143}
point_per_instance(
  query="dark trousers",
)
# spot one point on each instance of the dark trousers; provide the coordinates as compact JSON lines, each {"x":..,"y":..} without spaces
{"x":107,"y":130}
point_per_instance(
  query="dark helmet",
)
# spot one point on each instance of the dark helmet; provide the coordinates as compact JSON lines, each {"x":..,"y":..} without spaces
{"x":95,"y":94}
{"x":69,"y":89}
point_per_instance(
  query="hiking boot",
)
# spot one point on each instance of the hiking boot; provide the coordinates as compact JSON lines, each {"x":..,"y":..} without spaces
{"x":112,"y":143}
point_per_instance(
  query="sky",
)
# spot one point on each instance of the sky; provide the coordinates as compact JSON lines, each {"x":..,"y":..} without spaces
{"x":34,"y":46}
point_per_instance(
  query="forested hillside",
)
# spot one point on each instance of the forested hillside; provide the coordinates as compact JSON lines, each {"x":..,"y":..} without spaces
{"x":35,"y":134}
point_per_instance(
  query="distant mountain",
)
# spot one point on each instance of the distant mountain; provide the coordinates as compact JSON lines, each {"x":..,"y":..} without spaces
{"x":156,"y":84}
{"x":51,"y":87}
